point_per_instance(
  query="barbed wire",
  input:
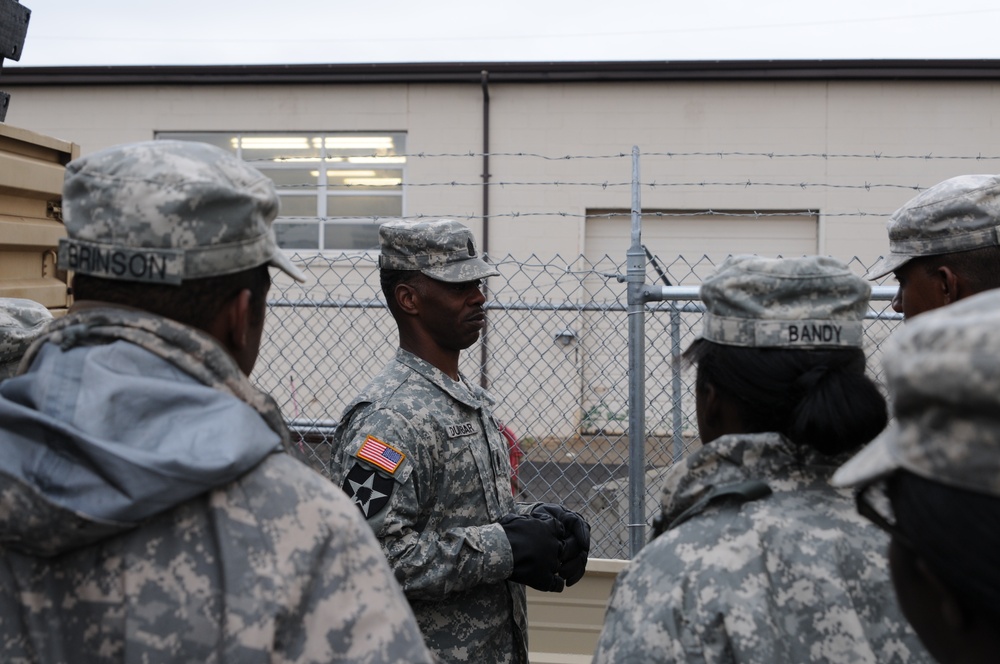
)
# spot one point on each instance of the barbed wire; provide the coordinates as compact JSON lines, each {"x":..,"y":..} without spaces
{"x":743,"y":184}
{"x":533,"y":262}
{"x":753,"y":214}
{"x":720,"y":154}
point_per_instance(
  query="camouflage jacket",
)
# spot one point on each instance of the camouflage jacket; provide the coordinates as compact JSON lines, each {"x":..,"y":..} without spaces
{"x":796,"y":576}
{"x":434,"y":502}
{"x":148,"y":514}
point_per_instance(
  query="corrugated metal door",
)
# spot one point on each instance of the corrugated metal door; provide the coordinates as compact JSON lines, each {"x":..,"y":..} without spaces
{"x":687,"y":247}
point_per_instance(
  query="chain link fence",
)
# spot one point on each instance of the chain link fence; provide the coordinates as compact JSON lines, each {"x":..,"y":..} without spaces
{"x":554,"y":355}
{"x":555,"y":352}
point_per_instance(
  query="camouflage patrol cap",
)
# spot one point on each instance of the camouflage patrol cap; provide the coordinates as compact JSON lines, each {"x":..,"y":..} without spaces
{"x":21,"y":322}
{"x":807,"y":302}
{"x":943,"y":371}
{"x":168,"y":211}
{"x":444,"y":250}
{"x":959,"y":214}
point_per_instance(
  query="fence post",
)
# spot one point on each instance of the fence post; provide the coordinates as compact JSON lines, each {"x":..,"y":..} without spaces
{"x":675,"y":381}
{"x":635,"y":276}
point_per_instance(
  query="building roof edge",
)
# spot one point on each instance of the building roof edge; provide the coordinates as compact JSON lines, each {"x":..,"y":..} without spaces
{"x":503,"y":72}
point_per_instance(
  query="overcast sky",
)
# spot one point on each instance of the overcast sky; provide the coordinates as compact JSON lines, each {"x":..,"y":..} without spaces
{"x":148,"y":32}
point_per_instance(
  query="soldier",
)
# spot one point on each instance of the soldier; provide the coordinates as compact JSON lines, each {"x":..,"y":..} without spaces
{"x":150,"y":512}
{"x":938,"y":464}
{"x":944,"y":244}
{"x":421,"y":453}
{"x":21,"y":322}
{"x":760,"y":560}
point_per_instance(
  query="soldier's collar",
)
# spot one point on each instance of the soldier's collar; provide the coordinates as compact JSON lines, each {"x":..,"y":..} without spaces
{"x":461,"y":390}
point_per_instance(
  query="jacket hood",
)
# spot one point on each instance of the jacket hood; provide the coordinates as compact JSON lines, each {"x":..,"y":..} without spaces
{"x":737,"y":458}
{"x":95,"y":439}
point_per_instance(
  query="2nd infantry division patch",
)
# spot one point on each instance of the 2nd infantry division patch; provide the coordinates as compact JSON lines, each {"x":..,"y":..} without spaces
{"x":369,"y":490}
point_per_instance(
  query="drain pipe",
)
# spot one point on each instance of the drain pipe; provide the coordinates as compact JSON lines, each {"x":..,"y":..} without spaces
{"x":484,"y":380}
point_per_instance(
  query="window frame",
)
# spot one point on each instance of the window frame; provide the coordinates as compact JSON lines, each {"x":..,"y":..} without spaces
{"x":326,"y":158}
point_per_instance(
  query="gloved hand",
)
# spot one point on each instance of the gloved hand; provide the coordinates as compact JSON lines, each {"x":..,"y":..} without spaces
{"x":577,"y":543}
{"x":535,"y":541}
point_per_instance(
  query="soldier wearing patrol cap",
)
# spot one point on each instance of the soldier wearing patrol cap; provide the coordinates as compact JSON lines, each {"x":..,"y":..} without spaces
{"x":944,"y":244}
{"x":421,"y":453}
{"x":931,"y":480}
{"x":149,"y":510}
{"x":21,"y":321}
{"x":756,"y":558}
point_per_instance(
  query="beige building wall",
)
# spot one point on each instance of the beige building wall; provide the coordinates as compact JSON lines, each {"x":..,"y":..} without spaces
{"x":593,"y":118}
{"x":539,"y":206}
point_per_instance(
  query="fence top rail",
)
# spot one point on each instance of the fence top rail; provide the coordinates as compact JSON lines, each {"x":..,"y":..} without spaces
{"x":688,"y":295}
{"x":667,"y":293}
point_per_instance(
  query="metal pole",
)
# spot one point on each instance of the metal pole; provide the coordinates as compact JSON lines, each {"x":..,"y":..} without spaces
{"x":675,"y":358}
{"x":635,"y":276}
{"x":484,"y":378}
{"x":675,"y":380}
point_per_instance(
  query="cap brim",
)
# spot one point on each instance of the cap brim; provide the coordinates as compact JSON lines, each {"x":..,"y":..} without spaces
{"x":887,"y":264}
{"x":281,"y":261}
{"x":873,"y":462}
{"x":455,"y":273}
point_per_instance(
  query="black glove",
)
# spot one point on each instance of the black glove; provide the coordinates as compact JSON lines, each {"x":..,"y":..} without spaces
{"x":535,"y":541}
{"x":577,"y":543}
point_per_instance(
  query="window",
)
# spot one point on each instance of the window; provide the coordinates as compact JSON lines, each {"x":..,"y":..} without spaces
{"x":335,"y":187}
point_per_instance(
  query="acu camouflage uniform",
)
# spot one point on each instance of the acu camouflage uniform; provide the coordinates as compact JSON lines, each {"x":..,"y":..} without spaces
{"x":183,"y":549}
{"x":21,"y":322}
{"x":436,"y":513}
{"x":796,"y":576}
{"x":762,"y":560}
{"x":959,"y":214}
{"x":149,"y":508}
{"x":943,"y":372}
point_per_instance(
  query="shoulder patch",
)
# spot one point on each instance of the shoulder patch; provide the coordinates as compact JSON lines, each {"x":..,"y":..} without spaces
{"x":368,"y":489}
{"x":380,"y":454}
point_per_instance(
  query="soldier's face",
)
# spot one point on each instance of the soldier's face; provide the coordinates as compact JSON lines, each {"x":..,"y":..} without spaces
{"x":452,"y":314}
{"x":919,"y":290}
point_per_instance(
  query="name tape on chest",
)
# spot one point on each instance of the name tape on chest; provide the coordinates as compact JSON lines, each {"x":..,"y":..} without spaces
{"x":380,"y":454}
{"x":458,"y":430}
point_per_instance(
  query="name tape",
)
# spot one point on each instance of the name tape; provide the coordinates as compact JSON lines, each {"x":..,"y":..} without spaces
{"x":161,"y":266}
{"x":456,"y":430}
{"x":808,"y":333}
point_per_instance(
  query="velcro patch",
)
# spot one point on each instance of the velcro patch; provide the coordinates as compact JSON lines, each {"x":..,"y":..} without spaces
{"x":375,"y":452}
{"x":150,"y":265}
{"x":368,"y":489}
{"x":457,"y":430}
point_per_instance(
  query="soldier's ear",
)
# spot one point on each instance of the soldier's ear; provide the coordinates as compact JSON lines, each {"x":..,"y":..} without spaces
{"x":232,"y":326}
{"x":242,"y":319}
{"x":407,"y":298}
{"x":953,"y":287}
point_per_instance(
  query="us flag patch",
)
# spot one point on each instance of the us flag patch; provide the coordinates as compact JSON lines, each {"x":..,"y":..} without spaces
{"x":384,"y":456}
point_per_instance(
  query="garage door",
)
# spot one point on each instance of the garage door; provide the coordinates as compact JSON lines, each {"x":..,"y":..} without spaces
{"x":687,"y":248}
{"x":702,"y":240}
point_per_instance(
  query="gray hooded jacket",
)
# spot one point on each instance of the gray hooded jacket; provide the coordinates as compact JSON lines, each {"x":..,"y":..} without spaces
{"x":147,"y":515}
